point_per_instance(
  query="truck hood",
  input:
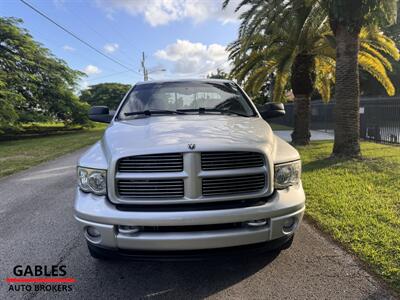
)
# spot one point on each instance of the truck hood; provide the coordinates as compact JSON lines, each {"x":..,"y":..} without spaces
{"x":158,"y":134}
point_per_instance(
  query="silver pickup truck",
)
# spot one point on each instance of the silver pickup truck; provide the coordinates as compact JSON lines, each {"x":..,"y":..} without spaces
{"x":188,"y":167}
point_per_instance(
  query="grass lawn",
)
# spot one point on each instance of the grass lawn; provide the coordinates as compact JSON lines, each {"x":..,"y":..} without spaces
{"x":17,"y":155}
{"x":34,"y":129}
{"x":358,"y":202}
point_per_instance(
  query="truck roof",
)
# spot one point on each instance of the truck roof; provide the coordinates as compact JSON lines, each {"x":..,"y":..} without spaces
{"x":184,"y":80}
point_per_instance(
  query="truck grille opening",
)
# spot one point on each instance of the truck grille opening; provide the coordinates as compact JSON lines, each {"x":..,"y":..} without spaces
{"x":233,"y":204}
{"x":191,"y":228}
{"x":168,"y":162}
{"x":232,"y":185}
{"x":150,"y":188}
{"x":231,"y":160}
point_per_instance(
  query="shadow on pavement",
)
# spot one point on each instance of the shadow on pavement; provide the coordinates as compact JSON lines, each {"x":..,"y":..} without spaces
{"x":172,"y":280}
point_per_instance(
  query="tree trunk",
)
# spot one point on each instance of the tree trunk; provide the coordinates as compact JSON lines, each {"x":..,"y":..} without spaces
{"x":301,"y":132}
{"x":347,"y":94}
{"x":302,"y":81}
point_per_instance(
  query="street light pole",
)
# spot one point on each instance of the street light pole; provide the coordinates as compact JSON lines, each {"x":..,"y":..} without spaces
{"x":145,"y":72}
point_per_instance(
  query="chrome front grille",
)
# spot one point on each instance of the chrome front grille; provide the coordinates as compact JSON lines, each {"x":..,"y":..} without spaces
{"x":168,"y":162}
{"x":233,"y":185}
{"x":190,"y":177}
{"x":230,"y":160}
{"x":150,"y":188}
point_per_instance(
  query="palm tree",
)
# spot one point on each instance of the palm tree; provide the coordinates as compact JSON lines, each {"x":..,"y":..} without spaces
{"x":293,"y":50}
{"x":346,"y":21}
{"x":296,"y":44}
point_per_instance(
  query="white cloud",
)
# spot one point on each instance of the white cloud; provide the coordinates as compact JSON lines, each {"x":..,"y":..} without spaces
{"x":83,"y":85}
{"x":91,"y":70}
{"x":190,"y":58}
{"x":68,"y":48}
{"x":59,"y":3}
{"x":161,"y":12}
{"x":111,"y":47}
{"x":110,"y":16}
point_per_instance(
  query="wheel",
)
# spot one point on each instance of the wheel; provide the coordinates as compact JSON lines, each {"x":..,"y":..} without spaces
{"x":97,"y":252}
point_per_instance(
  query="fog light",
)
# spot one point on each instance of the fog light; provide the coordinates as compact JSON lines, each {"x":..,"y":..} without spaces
{"x":289,"y":224}
{"x":257,"y":223}
{"x":92,"y":232}
{"x":124,"y":229}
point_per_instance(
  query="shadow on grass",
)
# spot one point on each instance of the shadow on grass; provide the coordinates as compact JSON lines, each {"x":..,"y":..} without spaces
{"x":323,"y":163}
{"x":375,"y":165}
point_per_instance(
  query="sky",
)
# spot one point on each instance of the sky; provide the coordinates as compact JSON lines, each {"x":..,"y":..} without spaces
{"x":180,"y":38}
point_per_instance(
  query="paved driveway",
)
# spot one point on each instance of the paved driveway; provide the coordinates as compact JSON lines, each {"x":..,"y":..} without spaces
{"x":37,"y":227}
{"x":316,"y":135}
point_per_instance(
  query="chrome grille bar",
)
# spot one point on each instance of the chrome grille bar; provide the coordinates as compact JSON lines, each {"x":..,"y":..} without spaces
{"x":147,"y":188}
{"x":168,"y":162}
{"x":230,"y":160}
{"x":233,"y":185}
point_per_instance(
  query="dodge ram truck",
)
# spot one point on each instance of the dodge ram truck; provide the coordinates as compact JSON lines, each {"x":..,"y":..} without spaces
{"x":188,"y":167}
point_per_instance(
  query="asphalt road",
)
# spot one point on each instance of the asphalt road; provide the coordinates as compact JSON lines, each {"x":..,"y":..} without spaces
{"x":37,"y":227}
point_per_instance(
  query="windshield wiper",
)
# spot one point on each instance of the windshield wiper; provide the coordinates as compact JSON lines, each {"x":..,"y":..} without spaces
{"x":203,"y":110}
{"x":155,"y":112}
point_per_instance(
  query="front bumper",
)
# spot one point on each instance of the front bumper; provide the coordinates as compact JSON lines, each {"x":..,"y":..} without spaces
{"x":98,"y":212}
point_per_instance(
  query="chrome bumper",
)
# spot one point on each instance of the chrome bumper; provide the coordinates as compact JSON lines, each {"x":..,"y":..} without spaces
{"x":98,"y":212}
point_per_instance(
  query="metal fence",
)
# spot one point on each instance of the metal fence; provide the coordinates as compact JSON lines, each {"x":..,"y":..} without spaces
{"x":379,"y":118}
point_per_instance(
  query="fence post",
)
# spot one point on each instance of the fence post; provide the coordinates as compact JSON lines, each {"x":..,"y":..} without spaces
{"x":363,"y":127}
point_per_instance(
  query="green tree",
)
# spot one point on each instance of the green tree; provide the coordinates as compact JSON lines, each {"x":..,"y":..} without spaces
{"x":346,"y":21}
{"x":294,"y":43}
{"x":108,"y":94}
{"x":34,"y":85}
{"x":220,"y":74}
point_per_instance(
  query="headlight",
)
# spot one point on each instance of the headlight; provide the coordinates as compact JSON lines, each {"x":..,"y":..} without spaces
{"x":287,"y":174}
{"x":92,"y":180}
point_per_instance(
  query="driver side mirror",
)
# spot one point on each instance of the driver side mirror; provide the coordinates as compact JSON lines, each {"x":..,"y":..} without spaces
{"x":272,"y":110}
{"x":100,"y":114}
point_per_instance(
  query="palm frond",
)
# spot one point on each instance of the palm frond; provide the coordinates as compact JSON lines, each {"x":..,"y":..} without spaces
{"x":374,"y":67}
{"x":370,"y":49}
{"x":325,"y":76}
{"x":281,"y":80}
{"x":257,"y":79}
{"x":379,"y":41}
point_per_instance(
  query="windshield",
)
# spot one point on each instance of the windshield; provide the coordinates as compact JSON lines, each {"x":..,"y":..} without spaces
{"x":187,"y":96}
